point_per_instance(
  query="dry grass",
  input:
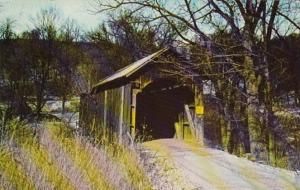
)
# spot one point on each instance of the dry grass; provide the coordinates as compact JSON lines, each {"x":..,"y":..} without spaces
{"x":80,"y":156}
{"x":56,"y":157}
{"x":64,"y":162}
{"x":13,"y":174}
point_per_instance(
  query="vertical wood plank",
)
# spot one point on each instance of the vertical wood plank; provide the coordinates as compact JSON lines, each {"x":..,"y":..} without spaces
{"x":121,"y":115}
{"x":105,"y":109}
{"x":133,"y":111}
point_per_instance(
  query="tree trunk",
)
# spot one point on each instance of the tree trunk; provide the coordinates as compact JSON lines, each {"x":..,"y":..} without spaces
{"x":254,"y":125}
{"x":298,"y":98}
{"x":271,"y":148}
{"x":225,"y":132}
{"x":39,"y":101}
{"x":63,"y":106}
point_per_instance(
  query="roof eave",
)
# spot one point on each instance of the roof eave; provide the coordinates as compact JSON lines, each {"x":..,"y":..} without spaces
{"x":103,"y":83}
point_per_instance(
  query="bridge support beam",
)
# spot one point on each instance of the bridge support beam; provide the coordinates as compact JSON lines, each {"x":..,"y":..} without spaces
{"x":199,"y":114}
{"x":134,"y":93}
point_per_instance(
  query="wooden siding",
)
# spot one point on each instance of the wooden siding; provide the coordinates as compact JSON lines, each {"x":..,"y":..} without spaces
{"x":103,"y":110}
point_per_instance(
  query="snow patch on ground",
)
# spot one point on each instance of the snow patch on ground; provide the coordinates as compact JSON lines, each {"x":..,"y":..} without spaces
{"x":55,"y":108}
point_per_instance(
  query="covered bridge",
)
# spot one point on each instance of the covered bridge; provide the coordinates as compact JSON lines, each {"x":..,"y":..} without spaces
{"x":146,"y":100}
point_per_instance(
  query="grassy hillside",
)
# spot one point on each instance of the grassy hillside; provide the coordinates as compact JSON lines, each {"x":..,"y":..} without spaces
{"x":55,"y":157}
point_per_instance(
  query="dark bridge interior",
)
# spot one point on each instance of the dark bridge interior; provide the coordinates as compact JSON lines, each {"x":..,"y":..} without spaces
{"x":158,"y":107}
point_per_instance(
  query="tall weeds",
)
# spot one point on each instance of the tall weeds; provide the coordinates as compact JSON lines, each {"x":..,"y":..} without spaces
{"x":57,"y":157}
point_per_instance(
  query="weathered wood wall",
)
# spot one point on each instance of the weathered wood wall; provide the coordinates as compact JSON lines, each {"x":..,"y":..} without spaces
{"x":109,"y":109}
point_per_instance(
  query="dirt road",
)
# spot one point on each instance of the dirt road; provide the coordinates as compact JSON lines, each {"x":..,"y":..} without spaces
{"x":206,"y":168}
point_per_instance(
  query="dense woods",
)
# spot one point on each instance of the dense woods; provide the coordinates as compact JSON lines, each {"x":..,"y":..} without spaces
{"x":247,"y":52}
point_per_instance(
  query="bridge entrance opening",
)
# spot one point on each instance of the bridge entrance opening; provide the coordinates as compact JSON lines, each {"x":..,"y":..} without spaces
{"x":158,"y":108}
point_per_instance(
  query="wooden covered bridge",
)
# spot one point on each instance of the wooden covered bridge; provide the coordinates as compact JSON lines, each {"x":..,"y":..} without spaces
{"x":146,"y":100}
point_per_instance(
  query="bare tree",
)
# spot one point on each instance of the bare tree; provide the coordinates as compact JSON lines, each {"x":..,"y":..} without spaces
{"x":252,"y":25}
{"x":130,"y":35}
{"x":41,"y":59}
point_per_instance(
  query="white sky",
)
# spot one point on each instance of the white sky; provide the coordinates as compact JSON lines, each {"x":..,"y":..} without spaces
{"x":21,"y":11}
